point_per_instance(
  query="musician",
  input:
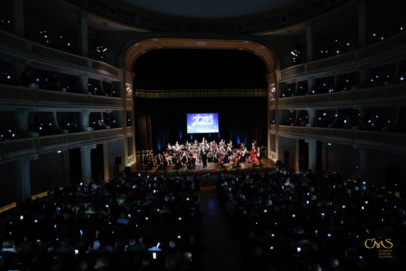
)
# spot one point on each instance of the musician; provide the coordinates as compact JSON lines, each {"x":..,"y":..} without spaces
{"x":148,"y":161}
{"x":242,"y":146}
{"x":230,"y":144}
{"x":237,"y":159}
{"x":185,"y":159}
{"x":168,"y":158}
{"x":204,"y":141}
{"x":259,"y":156}
{"x":177,"y":146}
{"x":178,"y":160}
{"x":244,"y":155}
{"x":191,"y":161}
{"x":169,"y":148}
{"x":160,"y":161}
{"x":223,"y":159}
{"x":204,"y":157}
{"x":187,"y":145}
{"x":165,"y":162}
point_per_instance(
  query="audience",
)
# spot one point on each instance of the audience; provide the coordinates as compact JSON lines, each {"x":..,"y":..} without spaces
{"x":117,"y":225}
{"x":288,"y":220}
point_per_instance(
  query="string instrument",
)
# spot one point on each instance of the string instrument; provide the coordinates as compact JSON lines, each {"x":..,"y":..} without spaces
{"x":253,"y":153}
{"x":255,"y":162}
{"x":236,"y":159}
{"x":220,"y":160}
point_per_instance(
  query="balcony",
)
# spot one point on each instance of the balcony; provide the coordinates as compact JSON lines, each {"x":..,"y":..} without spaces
{"x":390,"y":94}
{"x":19,"y":148}
{"x":18,"y":96}
{"x":394,"y":142}
{"x":387,"y":50}
{"x":25,"y":49}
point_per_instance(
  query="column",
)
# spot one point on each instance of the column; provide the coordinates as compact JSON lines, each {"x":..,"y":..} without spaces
{"x":311,"y":114}
{"x":86,"y":163}
{"x":83,"y":34}
{"x":84,"y":121}
{"x":363,"y":77}
{"x":312,"y":153}
{"x":23,"y":185}
{"x":311,"y":84}
{"x":22,"y":117}
{"x":362,"y":23}
{"x":309,"y":41}
{"x":84,"y":83}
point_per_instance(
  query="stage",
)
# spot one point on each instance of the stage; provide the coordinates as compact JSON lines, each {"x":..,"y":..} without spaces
{"x":139,"y":166}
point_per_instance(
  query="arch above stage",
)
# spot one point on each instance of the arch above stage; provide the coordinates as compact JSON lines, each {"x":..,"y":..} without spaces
{"x":141,"y":47}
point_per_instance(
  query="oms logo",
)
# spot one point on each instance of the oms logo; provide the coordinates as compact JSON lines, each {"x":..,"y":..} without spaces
{"x":372,"y":243}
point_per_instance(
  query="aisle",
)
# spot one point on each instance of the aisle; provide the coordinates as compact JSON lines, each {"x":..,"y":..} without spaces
{"x":221,"y":252}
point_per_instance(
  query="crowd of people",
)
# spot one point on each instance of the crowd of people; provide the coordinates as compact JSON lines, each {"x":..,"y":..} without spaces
{"x":136,"y":222}
{"x":289,"y":220}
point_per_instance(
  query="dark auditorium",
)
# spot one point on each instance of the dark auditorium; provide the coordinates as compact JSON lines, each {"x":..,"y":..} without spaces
{"x":178,"y":135}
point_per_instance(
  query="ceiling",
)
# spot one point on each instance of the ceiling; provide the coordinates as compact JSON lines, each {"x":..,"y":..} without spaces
{"x":211,"y":9}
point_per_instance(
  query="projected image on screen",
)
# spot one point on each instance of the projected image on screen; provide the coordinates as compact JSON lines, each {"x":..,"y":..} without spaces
{"x":198,"y":123}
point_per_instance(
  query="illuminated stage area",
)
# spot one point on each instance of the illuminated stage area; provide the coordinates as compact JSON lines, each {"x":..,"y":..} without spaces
{"x":140,"y":166}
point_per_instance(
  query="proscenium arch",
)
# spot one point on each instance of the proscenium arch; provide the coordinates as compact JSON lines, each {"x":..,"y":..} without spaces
{"x":141,"y":47}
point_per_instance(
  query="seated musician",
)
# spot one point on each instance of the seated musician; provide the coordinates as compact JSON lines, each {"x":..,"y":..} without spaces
{"x":184,"y":159}
{"x":190,"y":160}
{"x":160,"y":161}
{"x":168,"y":158}
{"x":244,"y":155}
{"x":177,"y":146}
{"x":237,"y":159}
{"x":177,"y":159}
{"x":148,"y":161}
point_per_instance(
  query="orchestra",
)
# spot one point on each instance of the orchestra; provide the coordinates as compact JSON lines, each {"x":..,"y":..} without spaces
{"x":195,"y":153}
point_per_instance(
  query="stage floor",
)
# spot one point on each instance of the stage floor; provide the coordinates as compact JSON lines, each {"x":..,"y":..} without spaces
{"x":141,"y":167}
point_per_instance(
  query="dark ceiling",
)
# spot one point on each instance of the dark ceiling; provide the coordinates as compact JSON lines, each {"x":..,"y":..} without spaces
{"x":211,"y":9}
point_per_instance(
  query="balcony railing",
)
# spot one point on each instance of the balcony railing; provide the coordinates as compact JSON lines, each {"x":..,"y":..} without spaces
{"x":383,"y":94}
{"x":19,"y":148}
{"x":390,"y":47}
{"x":394,"y":142}
{"x":23,"y":48}
{"x":12,"y":96}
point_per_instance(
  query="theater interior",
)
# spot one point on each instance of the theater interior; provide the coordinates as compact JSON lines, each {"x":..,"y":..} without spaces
{"x":89,"y":88}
